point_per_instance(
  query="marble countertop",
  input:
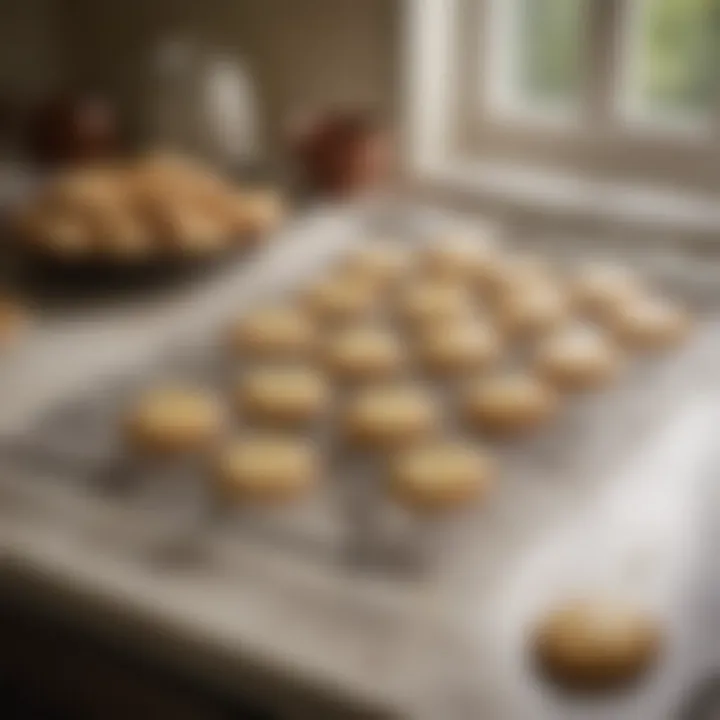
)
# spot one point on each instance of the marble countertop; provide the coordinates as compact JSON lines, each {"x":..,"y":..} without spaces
{"x":440,"y":644}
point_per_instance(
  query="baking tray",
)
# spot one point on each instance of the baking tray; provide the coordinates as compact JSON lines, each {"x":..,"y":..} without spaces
{"x":71,"y":462}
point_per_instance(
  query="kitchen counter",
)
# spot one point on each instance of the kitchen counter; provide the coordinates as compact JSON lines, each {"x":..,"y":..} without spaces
{"x":337,"y":642}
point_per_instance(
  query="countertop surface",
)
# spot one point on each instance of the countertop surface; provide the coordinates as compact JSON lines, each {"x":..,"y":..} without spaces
{"x":436,"y":644}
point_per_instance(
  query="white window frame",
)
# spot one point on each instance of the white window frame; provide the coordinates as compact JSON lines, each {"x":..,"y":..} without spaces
{"x":431,"y":77}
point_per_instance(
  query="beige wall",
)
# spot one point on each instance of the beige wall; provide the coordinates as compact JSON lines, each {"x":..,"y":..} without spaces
{"x":301,"y":52}
{"x":30,"y":50}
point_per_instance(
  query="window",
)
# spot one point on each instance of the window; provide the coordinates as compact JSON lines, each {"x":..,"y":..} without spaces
{"x":536,"y":65}
{"x":670,"y":58}
{"x":542,"y":61}
{"x":629,"y":87}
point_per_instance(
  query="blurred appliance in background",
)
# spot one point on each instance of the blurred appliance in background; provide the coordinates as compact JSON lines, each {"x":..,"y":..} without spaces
{"x":341,"y":153}
{"x":205,"y":104}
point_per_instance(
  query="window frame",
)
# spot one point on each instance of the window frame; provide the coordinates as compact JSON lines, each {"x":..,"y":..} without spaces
{"x":602,"y":143}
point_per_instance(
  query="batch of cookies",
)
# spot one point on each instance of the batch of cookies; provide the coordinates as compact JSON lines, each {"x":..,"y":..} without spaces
{"x":157,"y":207}
{"x":373,"y":350}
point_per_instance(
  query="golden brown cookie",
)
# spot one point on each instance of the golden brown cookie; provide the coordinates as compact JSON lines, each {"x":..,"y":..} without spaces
{"x":283,"y":395}
{"x":532,"y":310}
{"x":648,"y":324}
{"x":597,"y":645}
{"x":510,"y":404}
{"x":441,"y":475}
{"x":427,"y":303}
{"x":460,"y":346}
{"x":379,"y":262}
{"x":600,"y":288}
{"x":14,"y":319}
{"x":390,"y":416}
{"x":274,"y":332}
{"x":578,"y":358}
{"x":268,"y":468}
{"x":174,"y":420}
{"x":340,"y":298}
{"x":365,"y":353}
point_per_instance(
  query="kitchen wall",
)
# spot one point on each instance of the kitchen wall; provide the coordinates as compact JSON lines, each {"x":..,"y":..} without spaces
{"x":30,"y":47}
{"x":300,"y":52}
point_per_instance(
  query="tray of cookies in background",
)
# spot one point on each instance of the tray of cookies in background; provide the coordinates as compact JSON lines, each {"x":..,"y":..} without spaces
{"x":386,"y":404}
{"x":146,"y":215}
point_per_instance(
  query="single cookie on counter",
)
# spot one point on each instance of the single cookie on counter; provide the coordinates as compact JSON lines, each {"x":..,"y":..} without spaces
{"x":279,"y":332}
{"x":578,"y":358}
{"x":532,"y":310}
{"x":648,"y":324}
{"x":267,"y":469}
{"x":389,"y":416}
{"x":428,"y":303}
{"x":510,"y":404}
{"x":283,"y":395}
{"x":170,"y":420}
{"x":457,"y":347}
{"x":341,"y":298}
{"x":597,"y":645}
{"x":441,"y":475}
{"x":365,"y":352}
{"x":601,"y":288}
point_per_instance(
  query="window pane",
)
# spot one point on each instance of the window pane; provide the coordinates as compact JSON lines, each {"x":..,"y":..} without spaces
{"x":548,"y":46}
{"x":676,"y":56}
{"x":536,"y":48}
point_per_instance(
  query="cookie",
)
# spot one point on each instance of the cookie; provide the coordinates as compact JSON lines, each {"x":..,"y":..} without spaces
{"x":425,"y":304}
{"x":379,"y":262}
{"x":458,"y":257}
{"x":578,"y":358}
{"x":274,"y":332}
{"x":648,"y":324}
{"x":14,"y":320}
{"x":365,"y":353}
{"x":510,"y":404}
{"x":283,"y":395}
{"x":267,"y":469}
{"x":441,"y":476}
{"x":173,"y":420}
{"x":600,"y":288}
{"x":341,"y":298}
{"x":532,"y":310}
{"x":390,"y":416}
{"x":460,"y":346}
{"x":597,"y":645}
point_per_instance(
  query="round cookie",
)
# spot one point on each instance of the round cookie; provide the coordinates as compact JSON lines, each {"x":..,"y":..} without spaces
{"x":390,"y":416}
{"x":460,"y":346}
{"x":459,"y":258}
{"x":532,"y":310}
{"x":280,"y":332}
{"x":599,"y":288}
{"x":267,"y":468}
{"x":362,"y":353}
{"x":173,"y":420}
{"x":514,"y":273}
{"x":578,"y":358}
{"x":340,"y":297}
{"x":426,"y":303}
{"x":379,"y":262}
{"x":649,"y":324}
{"x":596,"y":645}
{"x":441,"y":476}
{"x":510,"y":404}
{"x":283,"y":395}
